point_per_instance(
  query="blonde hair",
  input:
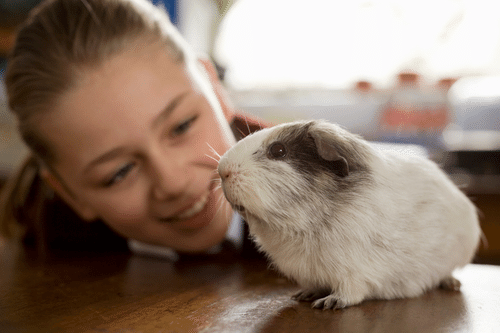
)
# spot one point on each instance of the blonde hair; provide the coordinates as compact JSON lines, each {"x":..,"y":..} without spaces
{"x":60,"y":40}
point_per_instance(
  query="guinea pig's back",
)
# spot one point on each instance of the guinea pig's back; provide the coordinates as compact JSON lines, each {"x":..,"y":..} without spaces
{"x":431,"y":207}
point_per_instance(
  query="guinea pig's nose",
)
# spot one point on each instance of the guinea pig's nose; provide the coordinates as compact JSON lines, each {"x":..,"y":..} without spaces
{"x":224,"y":174}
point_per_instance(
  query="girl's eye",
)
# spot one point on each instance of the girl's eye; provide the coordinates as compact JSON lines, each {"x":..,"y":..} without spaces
{"x":183,"y":127}
{"x":119,"y":175}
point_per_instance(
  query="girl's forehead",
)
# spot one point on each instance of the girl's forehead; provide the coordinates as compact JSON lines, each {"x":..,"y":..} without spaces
{"x":139,"y":58}
{"x":123,"y":94}
{"x":130,"y":77}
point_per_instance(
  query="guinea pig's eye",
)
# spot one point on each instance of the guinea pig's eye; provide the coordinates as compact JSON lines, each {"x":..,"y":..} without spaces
{"x":277,"y":150}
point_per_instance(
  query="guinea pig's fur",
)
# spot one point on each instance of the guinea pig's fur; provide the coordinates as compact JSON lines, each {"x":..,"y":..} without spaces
{"x":349,"y":222}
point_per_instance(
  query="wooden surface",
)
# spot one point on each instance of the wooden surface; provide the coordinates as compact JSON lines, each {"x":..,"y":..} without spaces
{"x":222,"y":293}
{"x":489,"y":207}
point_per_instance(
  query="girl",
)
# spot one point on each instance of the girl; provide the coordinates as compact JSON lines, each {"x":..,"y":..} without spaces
{"x":124,"y":124}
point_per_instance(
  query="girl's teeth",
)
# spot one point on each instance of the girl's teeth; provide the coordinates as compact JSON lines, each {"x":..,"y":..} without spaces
{"x":195,"y":209}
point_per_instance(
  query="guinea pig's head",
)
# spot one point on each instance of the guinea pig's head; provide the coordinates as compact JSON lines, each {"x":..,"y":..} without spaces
{"x":299,"y":172}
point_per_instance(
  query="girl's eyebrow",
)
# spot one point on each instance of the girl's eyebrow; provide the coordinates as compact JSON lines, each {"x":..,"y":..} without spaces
{"x":105,"y":157}
{"x":165,"y":113}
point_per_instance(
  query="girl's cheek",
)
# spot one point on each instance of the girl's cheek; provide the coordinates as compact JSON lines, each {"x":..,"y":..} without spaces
{"x":129,"y":207}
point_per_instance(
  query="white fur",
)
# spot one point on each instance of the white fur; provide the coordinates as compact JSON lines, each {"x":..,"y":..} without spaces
{"x":400,"y":235}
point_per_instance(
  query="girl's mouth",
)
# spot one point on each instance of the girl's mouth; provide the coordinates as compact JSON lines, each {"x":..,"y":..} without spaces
{"x":190,"y":212}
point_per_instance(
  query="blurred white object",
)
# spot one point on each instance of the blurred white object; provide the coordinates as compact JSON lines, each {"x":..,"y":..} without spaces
{"x":407,"y":150}
{"x":355,"y":111}
{"x":197,"y":20}
{"x":145,"y":249}
{"x":281,"y":44}
{"x":458,"y":139}
{"x":476,"y":101}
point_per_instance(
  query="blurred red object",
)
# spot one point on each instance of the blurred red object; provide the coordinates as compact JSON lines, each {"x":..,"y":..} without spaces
{"x":414,"y":114}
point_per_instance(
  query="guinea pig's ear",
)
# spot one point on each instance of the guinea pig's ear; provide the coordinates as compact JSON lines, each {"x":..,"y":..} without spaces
{"x":327,"y":151}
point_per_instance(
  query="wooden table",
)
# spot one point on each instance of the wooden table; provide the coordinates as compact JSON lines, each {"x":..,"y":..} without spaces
{"x":120,"y":292}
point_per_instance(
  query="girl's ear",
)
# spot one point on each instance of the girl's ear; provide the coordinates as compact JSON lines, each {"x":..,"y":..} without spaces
{"x":220,"y":91}
{"x":55,"y":183}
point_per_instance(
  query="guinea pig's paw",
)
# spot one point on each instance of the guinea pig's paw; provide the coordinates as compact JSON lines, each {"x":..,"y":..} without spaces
{"x":450,"y":283}
{"x":309,"y":295}
{"x":330,"y":302}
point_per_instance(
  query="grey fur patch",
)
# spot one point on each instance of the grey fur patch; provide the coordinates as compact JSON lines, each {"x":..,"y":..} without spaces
{"x":303,"y":156}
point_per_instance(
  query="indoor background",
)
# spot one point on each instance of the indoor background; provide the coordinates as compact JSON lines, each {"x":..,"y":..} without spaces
{"x":425,"y":74}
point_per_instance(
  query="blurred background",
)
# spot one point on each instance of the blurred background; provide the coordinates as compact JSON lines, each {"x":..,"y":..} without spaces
{"x":424,"y":74}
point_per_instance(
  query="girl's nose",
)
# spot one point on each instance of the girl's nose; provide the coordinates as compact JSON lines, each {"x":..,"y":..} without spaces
{"x":170,"y":179}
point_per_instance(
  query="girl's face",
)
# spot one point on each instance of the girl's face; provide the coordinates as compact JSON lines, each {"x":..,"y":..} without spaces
{"x":134,"y":147}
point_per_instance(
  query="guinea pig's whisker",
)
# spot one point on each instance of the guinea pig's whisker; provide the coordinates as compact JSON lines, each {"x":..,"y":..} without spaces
{"x":241,"y":132}
{"x":215,"y":180}
{"x":248,"y":126}
{"x":214,"y":151}
{"x":213,"y":158}
{"x":217,"y":188}
{"x":229,"y":213}
{"x":223,"y":208}
{"x":221,"y":199}
{"x":220,"y":205}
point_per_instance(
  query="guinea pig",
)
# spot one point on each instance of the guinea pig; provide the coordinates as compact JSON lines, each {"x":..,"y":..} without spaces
{"x":346,"y":221}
